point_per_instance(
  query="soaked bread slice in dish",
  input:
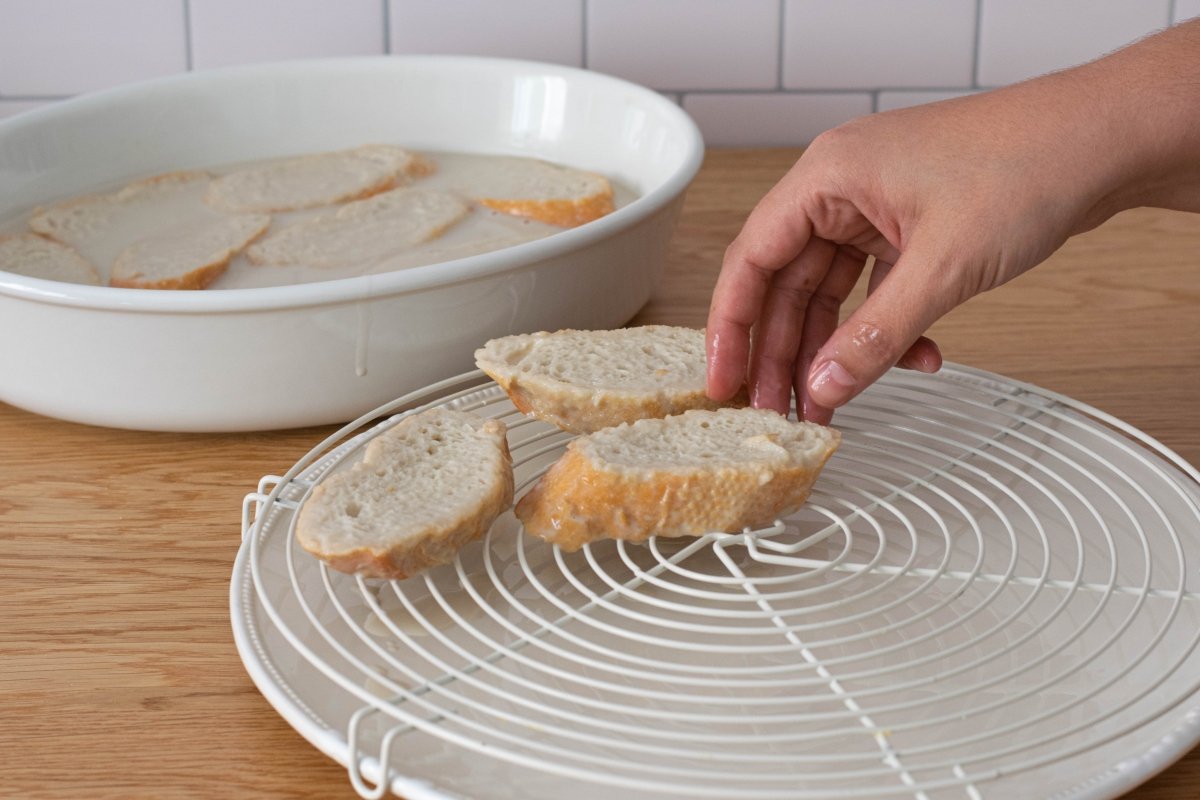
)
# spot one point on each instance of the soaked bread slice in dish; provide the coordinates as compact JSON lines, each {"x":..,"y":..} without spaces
{"x":319,"y":179}
{"x":684,"y":475}
{"x":363,"y":231}
{"x":546,"y":192}
{"x":38,"y":257}
{"x":170,"y":261}
{"x":423,"y":489}
{"x":155,"y":233}
{"x":582,"y":381}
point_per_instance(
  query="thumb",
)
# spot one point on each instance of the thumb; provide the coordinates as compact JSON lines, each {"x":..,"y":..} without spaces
{"x":916,"y":292}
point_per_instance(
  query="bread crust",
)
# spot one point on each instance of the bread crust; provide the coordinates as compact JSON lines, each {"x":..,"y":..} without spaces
{"x":580,"y":500}
{"x":562,"y":212}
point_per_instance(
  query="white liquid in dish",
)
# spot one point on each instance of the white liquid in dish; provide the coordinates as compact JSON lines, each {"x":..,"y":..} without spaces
{"x":482,"y":230}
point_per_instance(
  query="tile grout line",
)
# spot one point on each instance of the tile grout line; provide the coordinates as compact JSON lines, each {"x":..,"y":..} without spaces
{"x":782,"y":43}
{"x":583,"y":33}
{"x":975,"y":44}
{"x":188,"y":58}
{"x":386,"y":16}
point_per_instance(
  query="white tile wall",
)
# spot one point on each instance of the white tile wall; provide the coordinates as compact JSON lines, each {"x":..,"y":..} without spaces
{"x":906,"y":99}
{"x":543,"y":30}
{"x":771,"y":119}
{"x":1186,"y":9}
{"x":686,"y":44}
{"x":855,"y":43}
{"x":1022,"y":38}
{"x":752,"y":72}
{"x":63,"y":47}
{"x":226,"y":32}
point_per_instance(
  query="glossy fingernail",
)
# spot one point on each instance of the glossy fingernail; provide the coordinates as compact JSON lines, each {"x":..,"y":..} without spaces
{"x":814,"y":413}
{"x":831,"y":385}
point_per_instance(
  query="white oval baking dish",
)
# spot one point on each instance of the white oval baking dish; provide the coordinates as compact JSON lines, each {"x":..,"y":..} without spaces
{"x":288,"y":356}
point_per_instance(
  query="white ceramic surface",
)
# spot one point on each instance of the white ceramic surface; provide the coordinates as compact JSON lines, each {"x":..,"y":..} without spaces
{"x":252,"y":359}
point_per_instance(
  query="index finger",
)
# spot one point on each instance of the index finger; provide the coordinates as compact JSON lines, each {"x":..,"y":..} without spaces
{"x":773,"y":235}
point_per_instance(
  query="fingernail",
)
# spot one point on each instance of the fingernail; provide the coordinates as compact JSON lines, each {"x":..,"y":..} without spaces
{"x":831,"y":385}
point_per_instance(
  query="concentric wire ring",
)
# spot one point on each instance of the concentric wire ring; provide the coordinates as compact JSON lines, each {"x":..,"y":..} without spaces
{"x":989,"y":594}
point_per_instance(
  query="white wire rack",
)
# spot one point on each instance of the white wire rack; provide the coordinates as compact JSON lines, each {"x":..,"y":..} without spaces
{"x":991,"y":593}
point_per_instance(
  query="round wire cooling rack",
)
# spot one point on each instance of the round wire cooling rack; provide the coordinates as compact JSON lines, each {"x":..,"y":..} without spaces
{"x":991,"y":593}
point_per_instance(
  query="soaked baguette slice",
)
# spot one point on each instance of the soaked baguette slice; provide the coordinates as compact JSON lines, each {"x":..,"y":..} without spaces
{"x":319,"y":179}
{"x":582,"y":381}
{"x":188,"y":257}
{"x":363,"y":231}
{"x":685,"y":475}
{"x":154,"y":233}
{"x":423,"y":490}
{"x":38,"y":257}
{"x":546,"y":192}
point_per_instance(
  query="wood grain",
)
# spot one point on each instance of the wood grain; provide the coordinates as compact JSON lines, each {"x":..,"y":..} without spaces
{"x":118,"y":675}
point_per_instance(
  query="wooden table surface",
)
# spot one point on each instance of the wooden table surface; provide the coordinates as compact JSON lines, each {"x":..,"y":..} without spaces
{"x":118,"y":674}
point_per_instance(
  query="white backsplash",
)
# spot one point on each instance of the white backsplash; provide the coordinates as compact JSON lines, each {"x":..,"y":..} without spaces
{"x":751,"y":72}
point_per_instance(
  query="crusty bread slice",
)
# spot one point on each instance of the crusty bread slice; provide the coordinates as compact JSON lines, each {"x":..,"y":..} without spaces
{"x":189,"y":257}
{"x":153,"y":233}
{"x":38,"y":257}
{"x":547,"y":192}
{"x":319,"y":179}
{"x":362,"y":231}
{"x":423,"y":490}
{"x":583,"y":381}
{"x":685,"y":475}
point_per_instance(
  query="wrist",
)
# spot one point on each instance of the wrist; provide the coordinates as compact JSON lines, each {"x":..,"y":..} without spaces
{"x":1147,"y":101}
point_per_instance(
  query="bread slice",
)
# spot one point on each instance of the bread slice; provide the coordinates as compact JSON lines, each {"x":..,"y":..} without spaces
{"x":38,"y":257}
{"x":546,"y":192}
{"x":155,"y":233}
{"x":423,"y":490}
{"x":685,"y":475}
{"x":363,"y":231}
{"x":583,"y":381}
{"x":189,"y":257}
{"x":319,"y":179}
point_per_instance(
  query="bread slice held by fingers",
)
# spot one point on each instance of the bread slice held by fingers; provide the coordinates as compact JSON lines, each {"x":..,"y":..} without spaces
{"x":550,"y":193}
{"x":582,"y":381}
{"x":317,"y":179}
{"x":685,"y":475}
{"x":422,"y":491}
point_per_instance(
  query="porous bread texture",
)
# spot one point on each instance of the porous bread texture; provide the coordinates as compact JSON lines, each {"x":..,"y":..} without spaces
{"x":685,"y":475}
{"x":582,"y":381}
{"x":38,"y":257}
{"x":206,"y":239}
{"x":550,"y":193}
{"x":318,"y":179}
{"x":423,"y":489}
{"x":362,"y":231}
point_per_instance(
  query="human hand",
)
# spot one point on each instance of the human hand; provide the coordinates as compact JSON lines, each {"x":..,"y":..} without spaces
{"x":950,"y":199}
